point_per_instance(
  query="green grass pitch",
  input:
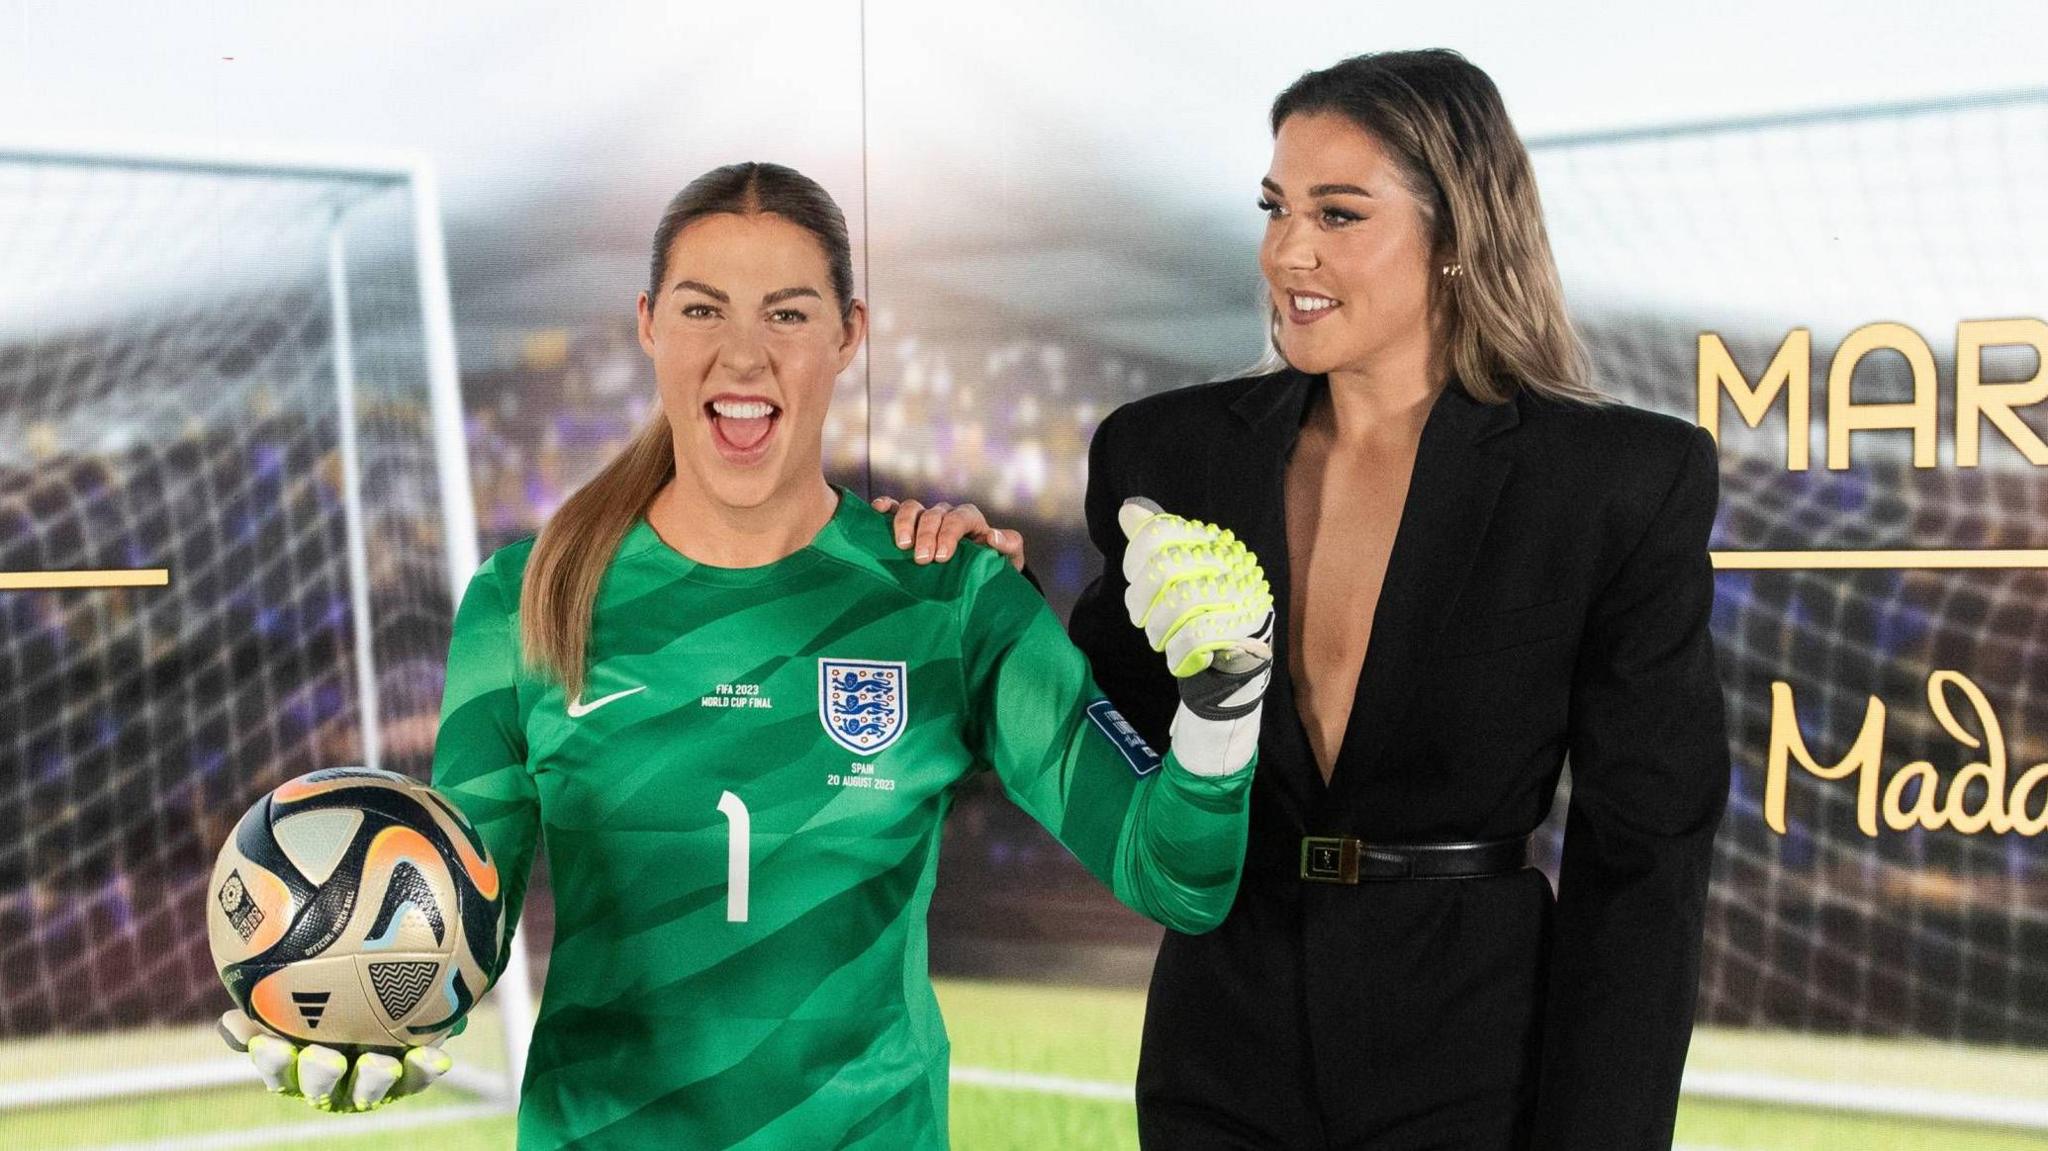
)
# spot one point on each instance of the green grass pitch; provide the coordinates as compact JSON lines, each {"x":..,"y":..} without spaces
{"x":1077,"y":1035}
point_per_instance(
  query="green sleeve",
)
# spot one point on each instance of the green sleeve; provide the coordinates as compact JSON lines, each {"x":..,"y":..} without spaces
{"x":480,"y":748}
{"x":1168,"y":842}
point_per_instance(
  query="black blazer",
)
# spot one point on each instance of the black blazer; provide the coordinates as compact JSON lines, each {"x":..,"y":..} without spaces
{"x":1548,"y":594}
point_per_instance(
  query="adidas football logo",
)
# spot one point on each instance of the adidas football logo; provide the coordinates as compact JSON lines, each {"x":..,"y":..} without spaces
{"x":312,"y":1005}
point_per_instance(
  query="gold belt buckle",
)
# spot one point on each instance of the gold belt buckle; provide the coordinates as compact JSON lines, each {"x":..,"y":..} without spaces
{"x":1329,"y":859}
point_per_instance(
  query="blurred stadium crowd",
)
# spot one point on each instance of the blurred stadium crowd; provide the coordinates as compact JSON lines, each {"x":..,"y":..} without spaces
{"x":142,"y":723}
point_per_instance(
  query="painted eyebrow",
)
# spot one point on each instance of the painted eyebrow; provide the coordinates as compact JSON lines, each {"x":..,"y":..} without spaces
{"x":1320,"y":189}
{"x":768,"y":300}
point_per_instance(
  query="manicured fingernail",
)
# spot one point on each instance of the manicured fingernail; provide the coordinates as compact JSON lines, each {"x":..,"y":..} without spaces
{"x":945,"y":553}
{"x":923,"y":554}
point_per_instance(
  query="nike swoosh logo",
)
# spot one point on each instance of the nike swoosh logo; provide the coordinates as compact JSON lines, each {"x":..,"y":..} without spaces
{"x":578,"y":709}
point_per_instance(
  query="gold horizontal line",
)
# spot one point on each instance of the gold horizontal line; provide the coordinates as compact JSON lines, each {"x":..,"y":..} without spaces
{"x":1906,"y":558}
{"x":128,"y":577}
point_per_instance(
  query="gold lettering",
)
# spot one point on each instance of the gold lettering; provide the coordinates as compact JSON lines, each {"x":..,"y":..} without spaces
{"x":1919,"y":414}
{"x":1996,"y":402}
{"x":2022,"y":794}
{"x":1932,"y":808}
{"x":1791,"y":372}
{"x":1927,"y":810}
{"x":1992,"y":814}
{"x":1862,"y":760}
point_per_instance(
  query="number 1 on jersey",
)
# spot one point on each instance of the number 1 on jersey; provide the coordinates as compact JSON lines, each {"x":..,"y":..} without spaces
{"x":740,"y":829}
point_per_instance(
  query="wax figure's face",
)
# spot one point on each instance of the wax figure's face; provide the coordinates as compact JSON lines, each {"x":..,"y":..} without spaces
{"x":1347,"y":250}
{"x":746,"y":339}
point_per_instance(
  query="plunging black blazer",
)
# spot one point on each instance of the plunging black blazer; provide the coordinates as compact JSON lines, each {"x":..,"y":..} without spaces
{"x":1548,"y":594}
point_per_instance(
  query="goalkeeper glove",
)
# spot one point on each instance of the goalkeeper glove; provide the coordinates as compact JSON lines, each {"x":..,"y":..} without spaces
{"x":323,"y":1077}
{"x":1202,"y":598}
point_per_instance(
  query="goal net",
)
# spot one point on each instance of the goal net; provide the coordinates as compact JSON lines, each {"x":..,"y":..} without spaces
{"x":1927,"y":217}
{"x":229,"y":371}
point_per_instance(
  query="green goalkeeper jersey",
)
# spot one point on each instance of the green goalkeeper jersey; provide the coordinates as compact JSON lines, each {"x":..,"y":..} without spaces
{"x":742,"y":817}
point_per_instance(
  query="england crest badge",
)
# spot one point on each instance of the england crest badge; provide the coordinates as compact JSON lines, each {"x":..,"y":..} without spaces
{"x":863,"y":702}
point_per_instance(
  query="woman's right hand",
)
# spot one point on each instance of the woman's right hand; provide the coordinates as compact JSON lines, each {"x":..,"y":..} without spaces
{"x":322,"y":1076}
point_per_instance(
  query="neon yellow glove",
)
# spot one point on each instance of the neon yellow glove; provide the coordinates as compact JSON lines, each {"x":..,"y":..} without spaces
{"x":1196,"y":590}
{"x":1202,"y":599}
{"x":322,"y":1076}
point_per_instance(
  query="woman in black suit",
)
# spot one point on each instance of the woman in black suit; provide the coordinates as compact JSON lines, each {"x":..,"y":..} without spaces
{"x":1487,"y":570}
{"x":1483,"y":569}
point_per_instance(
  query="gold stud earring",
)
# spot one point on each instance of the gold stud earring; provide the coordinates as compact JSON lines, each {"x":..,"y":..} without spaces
{"x":1454,"y":270}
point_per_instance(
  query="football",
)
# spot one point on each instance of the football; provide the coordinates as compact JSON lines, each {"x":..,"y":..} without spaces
{"x":356,"y":909}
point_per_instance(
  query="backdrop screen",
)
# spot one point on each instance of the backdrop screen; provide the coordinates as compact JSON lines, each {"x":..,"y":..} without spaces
{"x":307,"y":312}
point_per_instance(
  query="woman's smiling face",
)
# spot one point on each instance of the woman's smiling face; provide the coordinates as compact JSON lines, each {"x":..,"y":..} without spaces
{"x":1347,"y":254}
{"x":747,"y":338}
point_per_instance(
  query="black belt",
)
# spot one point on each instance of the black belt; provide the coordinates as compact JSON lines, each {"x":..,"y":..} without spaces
{"x":1341,"y":859}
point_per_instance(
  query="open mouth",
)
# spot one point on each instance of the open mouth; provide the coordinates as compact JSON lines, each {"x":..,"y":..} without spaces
{"x":1308,"y":307}
{"x":741,"y":427}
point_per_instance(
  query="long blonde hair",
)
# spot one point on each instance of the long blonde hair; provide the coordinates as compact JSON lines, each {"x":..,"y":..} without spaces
{"x":577,"y":543}
{"x":1443,"y":121}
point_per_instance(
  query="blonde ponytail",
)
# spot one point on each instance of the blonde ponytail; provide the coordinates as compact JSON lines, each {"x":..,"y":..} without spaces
{"x":576,"y":546}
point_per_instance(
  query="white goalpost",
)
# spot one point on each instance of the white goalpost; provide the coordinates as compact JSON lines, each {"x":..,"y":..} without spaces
{"x":241,"y":369}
